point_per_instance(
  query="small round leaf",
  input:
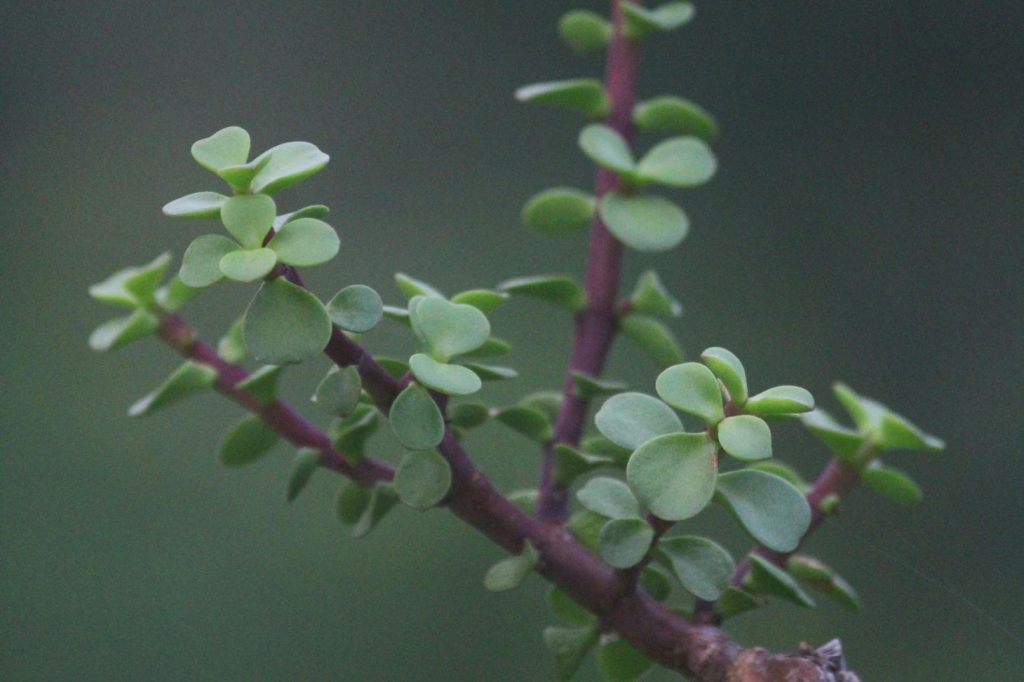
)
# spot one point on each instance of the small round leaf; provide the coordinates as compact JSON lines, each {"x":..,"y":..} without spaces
{"x":703,"y":566}
{"x":691,"y":388}
{"x":196,"y":205}
{"x":780,"y":400}
{"x":675,"y":115}
{"x":416,"y":419}
{"x":339,"y":391}
{"x":443,"y":377}
{"x":248,"y":266}
{"x":583,"y":30}
{"x":632,"y":419}
{"x":673,"y":476}
{"x":226,"y":147}
{"x":678,"y":162}
{"x":745,"y":437}
{"x":644,"y":223}
{"x":200,"y":266}
{"x":247,"y":441}
{"x":356,"y":308}
{"x":248,"y":217}
{"x":449,"y":329}
{"x":729,"y":370}
{"x":423,"y":479}
{"x":585,"y":95}
{"x":287,"y":164}
{"x":607,"y":148}
{"x":285,"y":324}
{"x":609,"y":497}
{"x":559,"y":211}
{"x":624,"y":542}
{"x":770,"y":508}
{"x":305,"y":241}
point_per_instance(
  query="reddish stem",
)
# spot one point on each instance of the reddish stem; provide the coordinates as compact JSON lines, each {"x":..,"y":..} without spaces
{"x":595,"y":326}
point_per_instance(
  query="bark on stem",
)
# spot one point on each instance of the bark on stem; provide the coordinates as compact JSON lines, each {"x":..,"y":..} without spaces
{"x":595,"y":326}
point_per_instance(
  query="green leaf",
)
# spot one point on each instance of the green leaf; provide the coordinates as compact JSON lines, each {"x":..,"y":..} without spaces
{"x":569,"y":646}
{"x":609,"y":497}
{"x":632,"y":419}
{"x":231,"y":346}
{"x":673,"y":475}
{"x":423,"y":479}
{"x":735,"y":601}
{"x":782,"y":470}
{"x":675,"y":115}
{"x":562,"y":290}
{"x":468,"y":415}
{"x":112,"y":290}
{"x":491,"y":372}
{"x":691,"y":388}
{"x":678,"y":162}
{"x":241,"y":175}
{"x":588,"y":387}
{"x":248,"y":266}
{"x":382,"y":500}
{"x":656,"y":582}
{"x":651,"y":296}
{"x":510,"y":572}
{"x":586,"y":527}
{"x":655,"y":339}
{"x":641,"y":21}
{"x":599,"y":445}
{"x":584,"y":31}
{"x":571,"y":463}
{"x":187,"y":380}
{"x":356,"y":308}
{"x":624,"y":542}
{"x":842,"y":593}
{"x":808,"y":569}
{"x":411,"y":286}
{"x":174,"y":295}
{"x":644,"y":223}
{"x":314,"y":211}
{"x":483,"y":300}
{"x":528,"y":421}
{"x":745,"y":437}
{"x":888,"y":430}
{"x":839,"y":439}
{"x":565,"y":608}
{"x":770,"y":508}
{"x":767,"y":578}
{"x":443,"y":377}
{"x":142,"y":282}
{"x":525,"y":499}
{"x":585,"y":95}
{"x":352,"y":501}
{"x":249,"y":217}
{"x":196,"y":205}
{"x":305,"y":242}
{"x":619,"y":661}
{"x":200,"y":266}
{"x":285,"y":324}
{"x":547,"y":403}
{"x":780,"y":400}
{"x":288,"y":164}
{"x":339,"y":391}
{"x":350,"y":433}
{"x":891,"y":483}
{"x":246,"y":442}
{"x":123,"y":330}
{"x":702,"y":566}
{"x":490,"y":348}
{"x":416,"y":419}
{"x":226,"y":147}
{"x":729,"y":370}
{"x":559,"y":211}
{"x":303,"y":468}
{"x":449,"y":329}
{"x":262,"y":384}
{"x":607,"y":148}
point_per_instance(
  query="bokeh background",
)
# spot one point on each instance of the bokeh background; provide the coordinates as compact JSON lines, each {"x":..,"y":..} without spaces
{"x":865,"y":225}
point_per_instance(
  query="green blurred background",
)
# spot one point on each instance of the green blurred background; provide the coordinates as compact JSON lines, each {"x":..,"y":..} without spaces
{"x":864,"y":225}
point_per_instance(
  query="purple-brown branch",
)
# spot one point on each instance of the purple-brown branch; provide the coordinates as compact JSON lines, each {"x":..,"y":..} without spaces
{"x":595,"y":326}
{"x":702,"y":651}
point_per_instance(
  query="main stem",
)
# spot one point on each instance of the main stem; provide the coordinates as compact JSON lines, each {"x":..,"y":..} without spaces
{"x":595,"y":326}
